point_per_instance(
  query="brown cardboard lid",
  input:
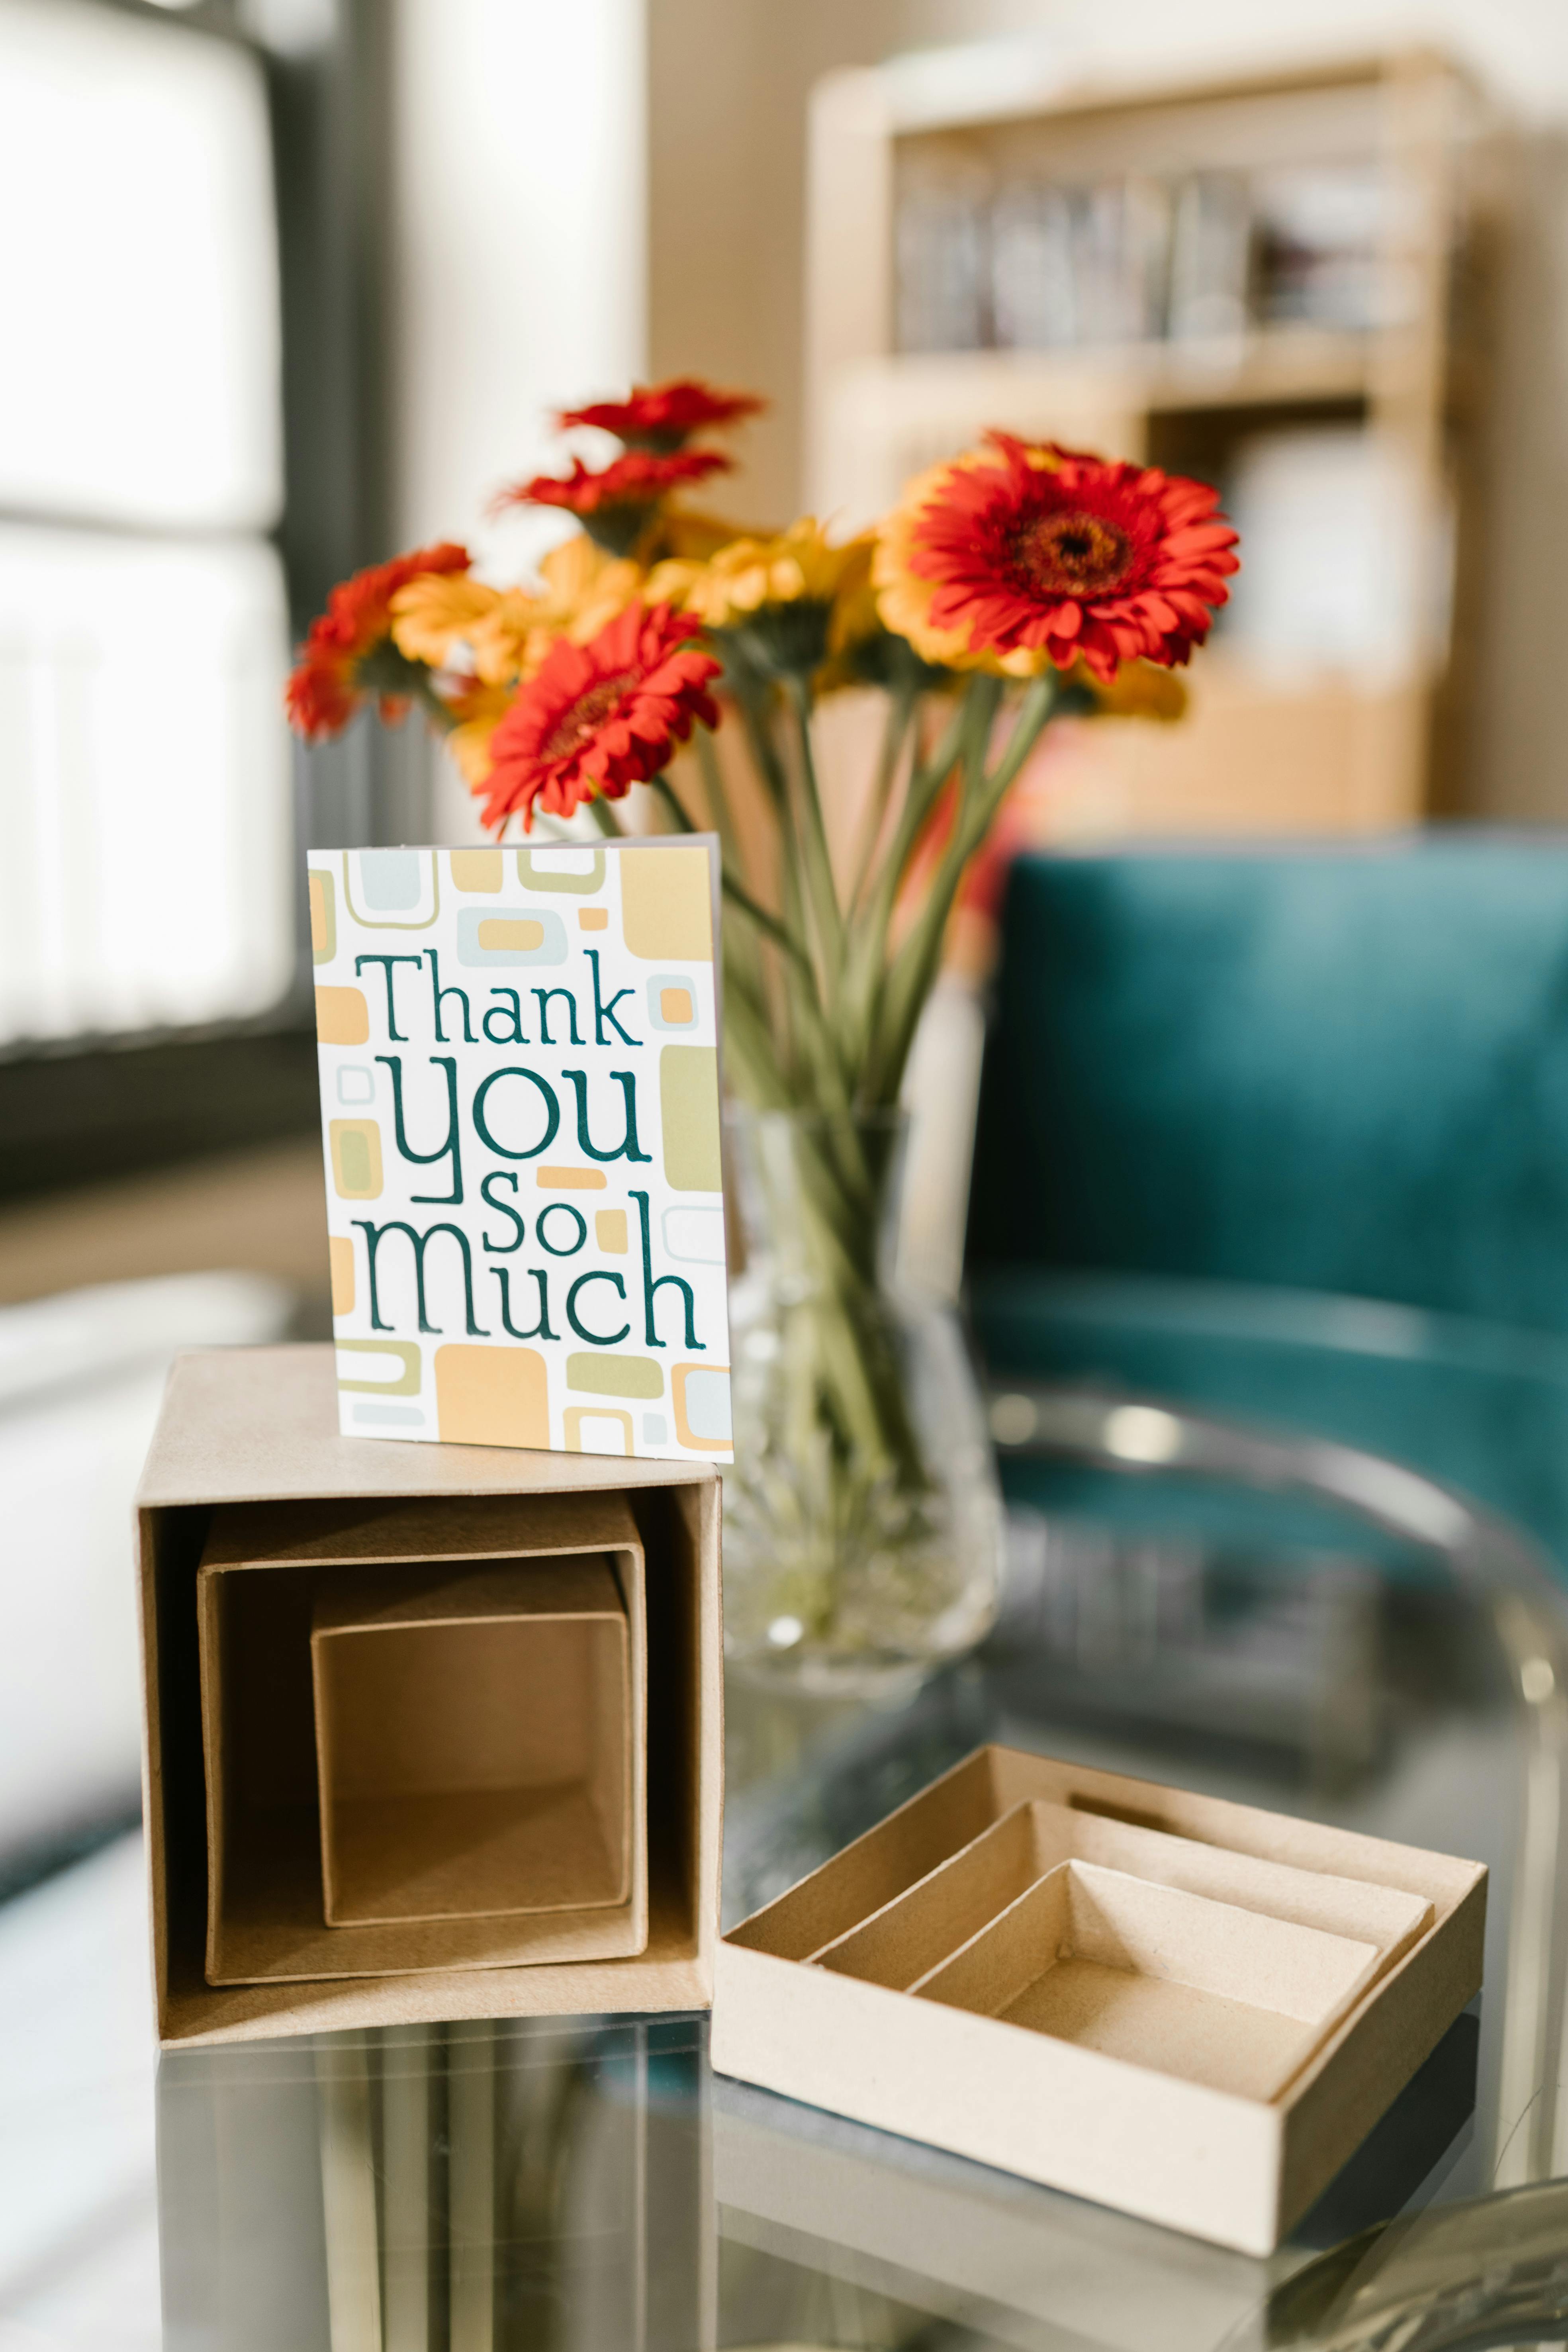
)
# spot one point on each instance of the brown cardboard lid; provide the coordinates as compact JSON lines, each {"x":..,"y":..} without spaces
{"x":267,"y":1429}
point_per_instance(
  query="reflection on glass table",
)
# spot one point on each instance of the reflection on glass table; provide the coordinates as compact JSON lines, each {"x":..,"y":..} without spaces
{"x":1296,"y":1623}
{"x":440,"y":2189}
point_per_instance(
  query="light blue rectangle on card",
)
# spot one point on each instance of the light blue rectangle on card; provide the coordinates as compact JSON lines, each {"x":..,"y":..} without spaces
{"x":390,"y":879}
{"x":708,"y":1405}
{"x":405,"y":1416}
{"x":694,"y":1236}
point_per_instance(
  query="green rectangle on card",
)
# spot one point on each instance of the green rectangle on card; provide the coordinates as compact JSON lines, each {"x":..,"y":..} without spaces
{"x":616,"y":1376}
{"x":689,"y":1103}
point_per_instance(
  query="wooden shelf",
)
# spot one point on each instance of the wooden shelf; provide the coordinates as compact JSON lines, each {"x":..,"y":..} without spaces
{"x":975,"y":122}
{"x":1268,"y":364}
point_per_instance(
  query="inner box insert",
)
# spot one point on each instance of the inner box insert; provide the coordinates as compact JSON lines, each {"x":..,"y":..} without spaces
{"x":901,"y":1944}
{"x":423,"y":1732}
{"x":473,"y":1741}
{"x":1195,"y":1988}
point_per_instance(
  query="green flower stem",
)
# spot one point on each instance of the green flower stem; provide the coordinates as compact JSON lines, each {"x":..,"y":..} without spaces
{"x":821,"y":888}
{"x":740,"y":897}
{"x":847,"y":1378}
{"x":771,"y":928}
{"x":665,"y":791}
{"x":443,"y":719}
{"x":748,"y":1044}
{"x":820,"y":1015}
{"x":750,"y":702}
{"x":971,"y":720}
{"x":740,"y":951}
{"x":913,"y":967}
{"x":718,"y":800}
{"x":902,"y":703}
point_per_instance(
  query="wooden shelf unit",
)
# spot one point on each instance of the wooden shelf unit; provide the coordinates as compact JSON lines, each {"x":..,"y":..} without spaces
{"x":1328,"y":750}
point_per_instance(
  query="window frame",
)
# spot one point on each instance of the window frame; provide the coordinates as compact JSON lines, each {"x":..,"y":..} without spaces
{"x":92,"y":1108}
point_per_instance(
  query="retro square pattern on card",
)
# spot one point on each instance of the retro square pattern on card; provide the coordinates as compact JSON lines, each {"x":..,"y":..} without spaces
{"x":519,"y":1106}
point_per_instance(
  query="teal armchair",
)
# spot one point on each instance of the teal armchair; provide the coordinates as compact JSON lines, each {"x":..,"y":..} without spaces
{"x":1285,"y":1132}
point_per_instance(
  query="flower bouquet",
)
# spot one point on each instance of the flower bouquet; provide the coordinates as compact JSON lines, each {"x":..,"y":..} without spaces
{"x":664,"y":648}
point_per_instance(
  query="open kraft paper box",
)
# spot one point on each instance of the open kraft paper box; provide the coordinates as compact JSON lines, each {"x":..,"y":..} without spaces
{"x":1189,"y":2009}
{"x":432,"y":1731}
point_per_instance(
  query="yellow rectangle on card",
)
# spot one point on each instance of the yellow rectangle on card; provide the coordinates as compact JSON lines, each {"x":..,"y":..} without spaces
{"x":342,"y":1016}
{"x":496,"y":932}
{"x":667,"y":905}
{"x":572,"y":1180}
{"x":610,"y":1231}
{"x":341,"y":1257}
{"x":492,"y":1396}
{"x":476,"y":869}
{"x":323,"y":919}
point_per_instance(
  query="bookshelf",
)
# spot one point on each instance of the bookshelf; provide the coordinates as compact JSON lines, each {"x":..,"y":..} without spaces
{"x":1274,"y":281}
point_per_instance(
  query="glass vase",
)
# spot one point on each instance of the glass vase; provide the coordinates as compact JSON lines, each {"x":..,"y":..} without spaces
{"x":862,"y":1517}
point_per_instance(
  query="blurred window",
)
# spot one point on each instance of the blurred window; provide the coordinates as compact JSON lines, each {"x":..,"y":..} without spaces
{"x":145,"y":840}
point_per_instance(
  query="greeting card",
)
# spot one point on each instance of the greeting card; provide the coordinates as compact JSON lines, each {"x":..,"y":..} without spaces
{"x":519,"y":1106}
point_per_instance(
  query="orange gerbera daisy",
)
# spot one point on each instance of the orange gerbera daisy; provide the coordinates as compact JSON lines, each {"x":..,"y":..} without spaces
{"x":597,"y":719}
{"x":1017,"y":558}
{"x":663,"y":416}
{"x":330,"y":681}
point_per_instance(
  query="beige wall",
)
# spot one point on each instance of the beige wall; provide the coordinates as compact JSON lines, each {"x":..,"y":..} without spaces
{"x":728,"y":82}
{"x":520,"y":183}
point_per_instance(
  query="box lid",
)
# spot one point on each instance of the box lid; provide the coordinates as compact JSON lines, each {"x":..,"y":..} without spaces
{"x":252,"y":1424}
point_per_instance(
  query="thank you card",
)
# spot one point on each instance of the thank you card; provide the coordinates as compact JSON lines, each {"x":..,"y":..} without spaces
{"x":520,"y":1105}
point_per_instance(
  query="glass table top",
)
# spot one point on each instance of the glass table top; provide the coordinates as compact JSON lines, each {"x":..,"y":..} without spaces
{"x":589,"y":2182}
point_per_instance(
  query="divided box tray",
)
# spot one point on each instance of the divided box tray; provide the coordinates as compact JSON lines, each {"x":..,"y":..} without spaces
{"x":1190,"y":2009}
{"x":431,"y":1732}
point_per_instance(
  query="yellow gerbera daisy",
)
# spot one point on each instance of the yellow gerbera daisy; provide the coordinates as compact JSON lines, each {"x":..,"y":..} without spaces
{"x":507,"y":631}
{"x":694,"y":535}
{"x":479,"y":712}
{"x":433,"y":616}
{"x":1141,"y":689}
{"x":800,"y":565}
{"x":584,"y":590}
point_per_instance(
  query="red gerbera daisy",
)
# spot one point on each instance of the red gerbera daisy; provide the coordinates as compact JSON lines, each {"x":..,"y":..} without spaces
{"x":612,"y":503}
{"x":637,"y":479}
{"x":1046,"y":552}
{"x":597,"y":719}
{"x":663,"y":415}
{"x":328,"y":685}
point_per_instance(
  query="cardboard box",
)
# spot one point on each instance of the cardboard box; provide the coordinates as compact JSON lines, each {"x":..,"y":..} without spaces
{"x":475,"y":1747}
{"x":258,"y":1427}
{"x":1189,"y":2009}
{"x":268,"y":1573}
